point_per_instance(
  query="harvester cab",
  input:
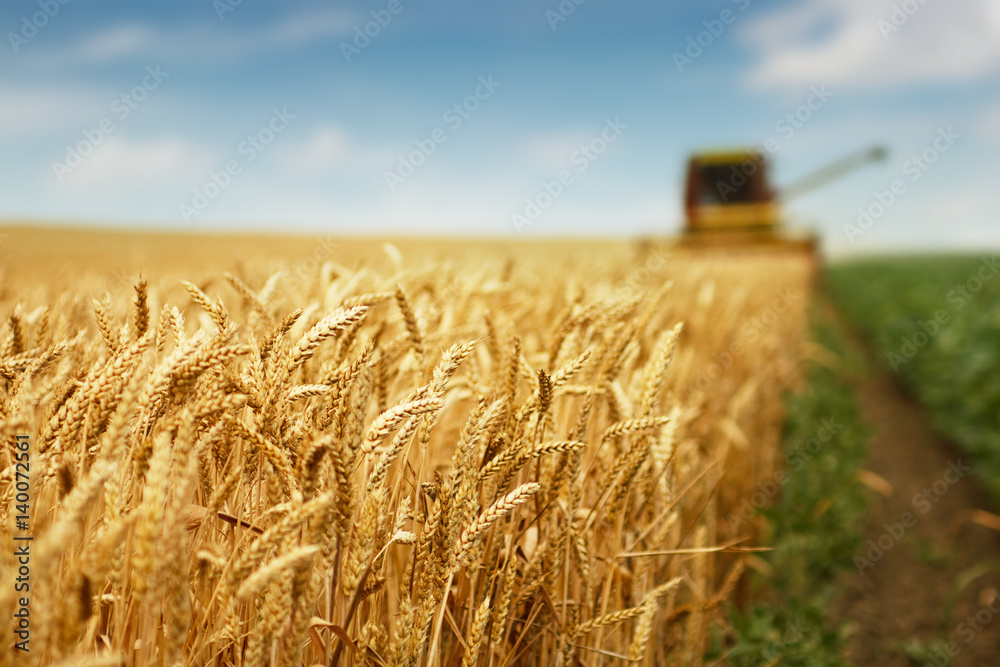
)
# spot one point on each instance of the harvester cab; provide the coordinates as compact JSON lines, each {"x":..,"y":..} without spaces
{"x":729,"y":190}
{"x":728,"y":195}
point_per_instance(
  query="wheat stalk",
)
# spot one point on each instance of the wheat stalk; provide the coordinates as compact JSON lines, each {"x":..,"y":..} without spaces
{"x":297,"y":476}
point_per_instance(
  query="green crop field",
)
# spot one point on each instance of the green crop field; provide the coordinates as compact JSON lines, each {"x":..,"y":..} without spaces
{"x":935,"y":320}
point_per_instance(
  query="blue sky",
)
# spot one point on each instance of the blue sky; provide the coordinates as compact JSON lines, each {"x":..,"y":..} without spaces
{"x":460,"y":119}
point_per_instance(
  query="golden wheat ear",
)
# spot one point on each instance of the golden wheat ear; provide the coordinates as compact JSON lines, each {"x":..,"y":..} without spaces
{"x":448,"y":461}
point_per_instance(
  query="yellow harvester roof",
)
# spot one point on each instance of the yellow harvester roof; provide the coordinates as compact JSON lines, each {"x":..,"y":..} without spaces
{"x":725,"y":156}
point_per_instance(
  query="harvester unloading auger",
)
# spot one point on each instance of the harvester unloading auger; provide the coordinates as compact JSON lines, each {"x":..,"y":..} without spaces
{"x":729,"y":199}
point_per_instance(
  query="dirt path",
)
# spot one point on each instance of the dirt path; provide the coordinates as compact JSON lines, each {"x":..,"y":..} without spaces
{"x":918,"y":546}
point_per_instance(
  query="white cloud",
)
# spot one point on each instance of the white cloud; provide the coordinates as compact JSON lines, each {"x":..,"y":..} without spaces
{"x":661,"y":214}
{"x":118,"y":41}
{"x":966,"y":209}
{"x":119,"y":165}
{"x":307,"y":27}
{"x":964,"y":217}
{"x":551,"y":152}
{"x":988,"y":123}
{"x":325,"y":147}
{"x":197,"y":42}
{"x":31,"y":109}
{"x":874,"y":43}
{"x":331,"y":147}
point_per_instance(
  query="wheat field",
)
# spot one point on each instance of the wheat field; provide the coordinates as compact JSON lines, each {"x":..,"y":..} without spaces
{"x":391,"y":456}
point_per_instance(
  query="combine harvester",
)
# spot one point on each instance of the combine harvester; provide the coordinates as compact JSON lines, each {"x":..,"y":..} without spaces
{"x":730,"y":203}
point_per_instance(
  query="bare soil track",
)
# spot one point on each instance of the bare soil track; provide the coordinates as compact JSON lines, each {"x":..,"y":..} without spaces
{"x":898,"y":606}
